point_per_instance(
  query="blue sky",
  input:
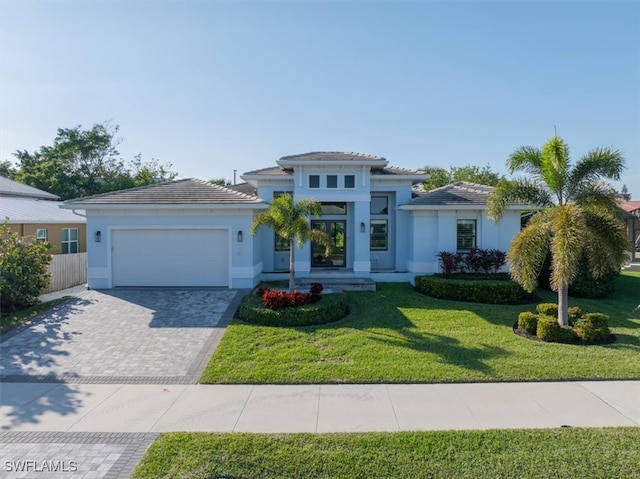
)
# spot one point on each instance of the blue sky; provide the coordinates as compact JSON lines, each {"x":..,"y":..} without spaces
{"x":216,"y":86}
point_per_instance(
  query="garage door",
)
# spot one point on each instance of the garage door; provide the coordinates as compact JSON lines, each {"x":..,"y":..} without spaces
{"x":171,"y":257}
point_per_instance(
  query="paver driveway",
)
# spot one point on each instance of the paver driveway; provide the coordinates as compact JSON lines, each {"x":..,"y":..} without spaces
{"x":120,"y":336}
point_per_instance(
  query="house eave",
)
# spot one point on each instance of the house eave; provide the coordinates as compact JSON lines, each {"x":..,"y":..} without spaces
{"x":168,"y":207}
{"x":353,"y":162}
{"x":457,"y":207}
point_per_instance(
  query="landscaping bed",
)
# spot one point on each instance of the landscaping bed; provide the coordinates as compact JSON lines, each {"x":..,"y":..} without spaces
{"x":395,"y":335}
{"x":492,"y":289}
{"x":566,"y":452}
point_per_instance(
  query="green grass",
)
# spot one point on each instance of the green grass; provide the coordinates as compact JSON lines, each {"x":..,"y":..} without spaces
{"x":11,"y":320}
{"x":397,"y":335}
{"x":557,"y":453}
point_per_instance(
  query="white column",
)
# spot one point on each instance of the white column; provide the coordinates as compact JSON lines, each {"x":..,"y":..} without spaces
{"x":361,"y":256}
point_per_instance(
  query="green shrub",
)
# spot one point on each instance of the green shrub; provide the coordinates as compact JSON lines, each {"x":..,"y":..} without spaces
{"x":548,"y":329}
{"x":593,"y":328}
{"x":548,"y":309}
{"x":567,"y":335}
{"x":528,"y":321}
{"x":23,"y":270}
{"x":474,"y":290}
{"x":575,"y":313}
{"x":330,"y":307}
{"x":584,"y":284}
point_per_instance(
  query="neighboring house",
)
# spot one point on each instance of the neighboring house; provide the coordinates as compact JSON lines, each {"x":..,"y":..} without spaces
{"x":33,"y":212}
{"x":191,"y":233}
{"x":632,"y":219}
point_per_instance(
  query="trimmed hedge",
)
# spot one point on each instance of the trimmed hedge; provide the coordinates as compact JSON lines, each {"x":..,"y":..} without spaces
{"x":584,"y":285}
{"x":331,"y":307}
{"x":587,"y":328}
{"x":528,"y":321}
{"x":472,"y":290}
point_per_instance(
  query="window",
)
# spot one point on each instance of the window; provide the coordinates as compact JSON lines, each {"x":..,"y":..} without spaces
{"x":314,"y":181}
{"x":350,"y":181}
{"x":379,"y":205}
{"x":466,"y":235}
{"x":69,"y":240}
{"x":379,"y":235}
{"x":332,"y":181}
{"x":41,"y":235}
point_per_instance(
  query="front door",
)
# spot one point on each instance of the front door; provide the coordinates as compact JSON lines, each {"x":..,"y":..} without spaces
{"x":337,"y":231}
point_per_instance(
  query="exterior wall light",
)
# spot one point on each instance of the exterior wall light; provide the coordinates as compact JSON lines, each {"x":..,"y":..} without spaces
{"x":362,"y":227}
{"x":97,"y":237}
{"x":240,"y":238}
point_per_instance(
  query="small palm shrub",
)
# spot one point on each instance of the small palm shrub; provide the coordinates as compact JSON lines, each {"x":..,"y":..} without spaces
{"x":589,"y":328}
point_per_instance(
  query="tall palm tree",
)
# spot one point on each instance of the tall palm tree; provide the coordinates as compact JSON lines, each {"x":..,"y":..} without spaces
{"x":577,"y":214}
{"x":290,"y":221}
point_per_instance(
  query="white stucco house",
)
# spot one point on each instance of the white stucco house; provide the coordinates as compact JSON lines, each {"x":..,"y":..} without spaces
{"x":189,"y":232}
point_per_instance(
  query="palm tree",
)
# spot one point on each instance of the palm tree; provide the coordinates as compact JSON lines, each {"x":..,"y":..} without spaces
{"x":576,"y":215}
{"x":290,"y":221}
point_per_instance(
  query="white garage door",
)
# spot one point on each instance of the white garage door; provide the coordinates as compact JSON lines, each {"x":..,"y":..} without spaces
{"x":171,"y":257}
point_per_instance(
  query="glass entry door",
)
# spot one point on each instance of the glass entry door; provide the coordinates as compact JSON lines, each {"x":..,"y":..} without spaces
{"x":336,"y":229}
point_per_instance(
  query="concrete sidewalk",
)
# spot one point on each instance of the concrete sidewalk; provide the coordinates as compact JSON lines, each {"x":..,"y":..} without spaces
{"x":316,"y":408}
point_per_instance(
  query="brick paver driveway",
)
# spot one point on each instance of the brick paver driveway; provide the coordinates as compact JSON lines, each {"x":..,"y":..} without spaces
{"x":160,"y":336}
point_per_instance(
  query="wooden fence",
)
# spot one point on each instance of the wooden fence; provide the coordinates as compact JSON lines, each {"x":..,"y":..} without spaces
{"x":67,"y":270}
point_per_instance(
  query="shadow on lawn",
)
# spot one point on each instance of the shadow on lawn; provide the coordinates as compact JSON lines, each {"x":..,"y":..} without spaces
{"x":448,"y":349}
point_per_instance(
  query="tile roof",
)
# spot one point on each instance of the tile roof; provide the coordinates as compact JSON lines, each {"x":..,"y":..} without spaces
{"x":460,"y":193}
{"x":332,"y":156}
{"x":629,"y":206}
{"x":188,"y":191}
{"x":394,"y":170}
{"x":13,"y":188}
{"x":272,"y":170}
{"x":245,"y":188}
{"x":33,"y":210}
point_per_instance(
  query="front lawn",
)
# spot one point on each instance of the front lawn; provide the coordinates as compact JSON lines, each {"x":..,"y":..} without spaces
{"x":563,"y":453}
{"x":11,"y":320}
{"x":397,"y":335}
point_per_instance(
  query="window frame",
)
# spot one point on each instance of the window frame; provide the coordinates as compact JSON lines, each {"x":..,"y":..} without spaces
{"x":385,"y":210}
{"x":314,"y":177}
{"x":378,"y":236}
{"x":353,"y":182}
{"x":333,"y":184}
{"x":69,"y":241}
{"x":40,"y":239}
{"x":463,"y":237}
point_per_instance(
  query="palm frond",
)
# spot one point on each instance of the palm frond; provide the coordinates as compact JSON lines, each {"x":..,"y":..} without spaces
{"x":596,"y":194}
{"x":528,"y":251}
{"x":597,"y":164}
{"x":569,"y":229}
{"x":555,"y":165}
{"x":521,"y":191}
{"x":527,"y":159}
{"x":323,"y":238}
{"x":607,"y":244}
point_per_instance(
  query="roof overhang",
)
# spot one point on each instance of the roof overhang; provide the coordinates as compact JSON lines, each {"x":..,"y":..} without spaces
{"x":381,"y":163}
{"x":168,"y":207}
{"x":416,"y":177}
{"x":475,"y":207}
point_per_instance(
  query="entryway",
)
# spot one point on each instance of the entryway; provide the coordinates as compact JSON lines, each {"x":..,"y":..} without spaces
{"x":337,"y":231}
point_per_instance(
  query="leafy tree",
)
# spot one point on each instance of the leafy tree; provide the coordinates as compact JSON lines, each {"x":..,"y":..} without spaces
{"x":290,"y":220}
{"x":23,"y":270}
{"x":220,"y":182}
{"x":440,"y":177}
{"x":624,"y":193}
{"x":577,"y":215}
{"x":7,"y":169}
{"x":86,"y":162}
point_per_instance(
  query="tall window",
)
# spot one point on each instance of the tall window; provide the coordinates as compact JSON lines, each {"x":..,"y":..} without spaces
{"x":379,"y":235}
{"x":69,"y":240}
{"x":281,"y":243}
{"x":314,"y":181}
{"x":332,"y":181}
{"x":379,"y":205}
{"x":41,"y":235}
{"x":466,"y":235}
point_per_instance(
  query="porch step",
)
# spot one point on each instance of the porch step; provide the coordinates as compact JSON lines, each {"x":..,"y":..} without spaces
{"x":337,"y":284}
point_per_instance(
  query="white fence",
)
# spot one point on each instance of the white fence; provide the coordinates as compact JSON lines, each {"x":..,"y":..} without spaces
{"x":67,"y":270}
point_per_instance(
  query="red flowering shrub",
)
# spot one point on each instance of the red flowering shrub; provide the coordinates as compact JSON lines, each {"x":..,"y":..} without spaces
{"x":274,"y":299}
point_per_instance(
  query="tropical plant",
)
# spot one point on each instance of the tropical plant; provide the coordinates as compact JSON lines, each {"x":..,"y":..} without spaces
{"x":290,"y":220}
{"x":576,"y":214}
